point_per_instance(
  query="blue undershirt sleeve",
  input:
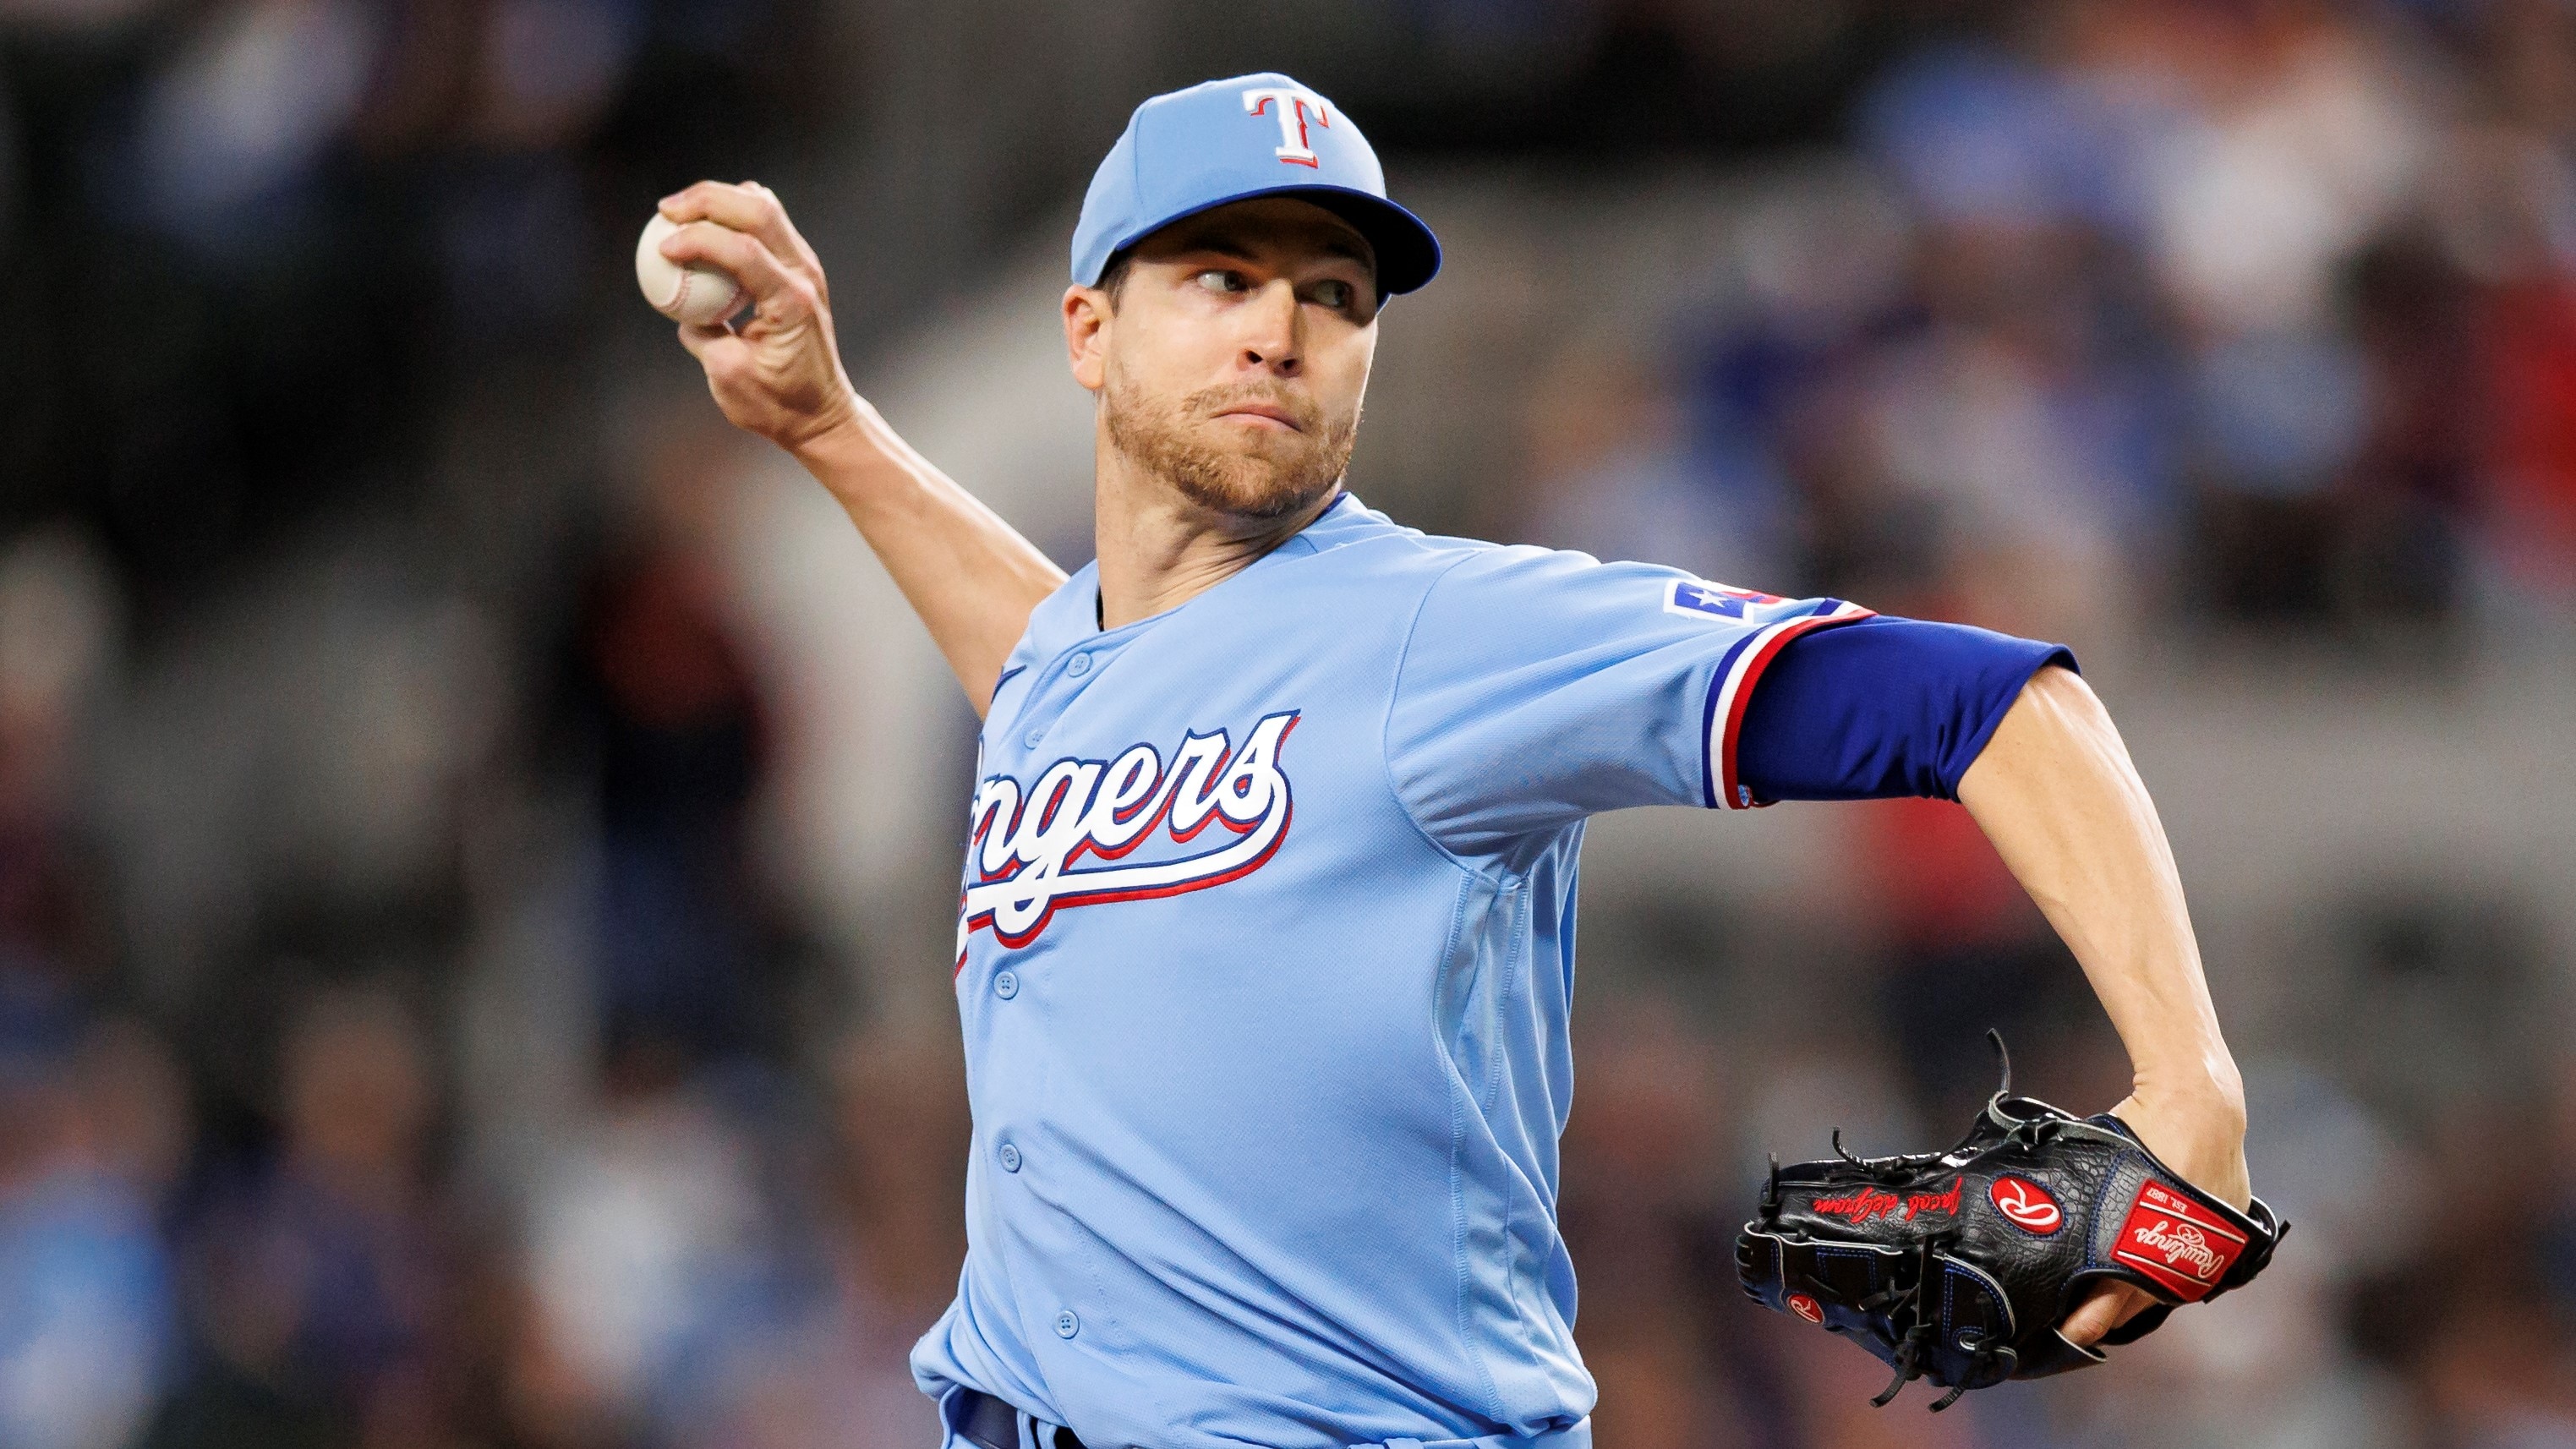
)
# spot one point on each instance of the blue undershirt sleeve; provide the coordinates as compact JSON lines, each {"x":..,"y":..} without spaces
{"x":1883,"y":707}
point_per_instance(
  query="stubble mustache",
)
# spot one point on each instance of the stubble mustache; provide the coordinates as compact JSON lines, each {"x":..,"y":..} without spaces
{"x":1210,"y":401}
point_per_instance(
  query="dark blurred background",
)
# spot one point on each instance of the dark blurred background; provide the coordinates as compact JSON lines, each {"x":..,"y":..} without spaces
{"x":476,"y":838}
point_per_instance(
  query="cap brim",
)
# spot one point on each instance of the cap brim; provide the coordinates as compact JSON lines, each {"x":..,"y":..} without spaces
{"x":1408,"y":255}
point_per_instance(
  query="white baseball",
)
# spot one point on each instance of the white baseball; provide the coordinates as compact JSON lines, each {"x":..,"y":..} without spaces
{"x":697,"y":295}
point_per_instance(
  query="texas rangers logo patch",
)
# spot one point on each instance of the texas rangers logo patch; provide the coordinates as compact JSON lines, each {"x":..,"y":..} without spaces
{"x":1024,"y":847}
{"x":1698,"y":598}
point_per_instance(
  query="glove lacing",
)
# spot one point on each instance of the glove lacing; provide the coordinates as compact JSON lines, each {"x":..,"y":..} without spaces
{"x":1901,"y":1302}
{"x":2025,"y":1130}
{"x":1919,"y":1339}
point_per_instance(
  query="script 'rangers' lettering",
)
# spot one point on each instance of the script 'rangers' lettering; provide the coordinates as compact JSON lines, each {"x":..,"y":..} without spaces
{"x":1024,"y":847}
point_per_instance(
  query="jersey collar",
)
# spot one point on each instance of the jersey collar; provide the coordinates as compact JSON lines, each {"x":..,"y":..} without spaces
{"x":1071,"y":614}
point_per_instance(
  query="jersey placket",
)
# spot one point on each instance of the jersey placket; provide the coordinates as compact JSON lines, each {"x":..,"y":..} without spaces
{"x":1018,"y":1031}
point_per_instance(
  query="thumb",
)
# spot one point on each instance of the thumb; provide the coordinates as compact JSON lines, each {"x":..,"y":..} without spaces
{"x":2110,"y":1305}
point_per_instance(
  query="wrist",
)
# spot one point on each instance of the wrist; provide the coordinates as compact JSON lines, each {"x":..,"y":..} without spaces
{"x":2208,"y":1088}
{"x":848,"y":449}
{"x":836,"y":429}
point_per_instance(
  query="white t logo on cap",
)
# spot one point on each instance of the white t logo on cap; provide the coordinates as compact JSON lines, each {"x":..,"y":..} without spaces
{"x":1293,"y":116}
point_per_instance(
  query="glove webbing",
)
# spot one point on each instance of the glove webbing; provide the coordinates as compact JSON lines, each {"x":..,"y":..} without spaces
{"x":1909,"y":1351}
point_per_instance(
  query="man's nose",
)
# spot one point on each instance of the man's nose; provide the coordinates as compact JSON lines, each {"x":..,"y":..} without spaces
{"x":1276,"y":341}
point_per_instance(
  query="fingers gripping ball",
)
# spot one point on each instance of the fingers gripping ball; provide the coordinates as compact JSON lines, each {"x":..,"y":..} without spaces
{"x":698,"y":295}
{"x":1958,"y":1266}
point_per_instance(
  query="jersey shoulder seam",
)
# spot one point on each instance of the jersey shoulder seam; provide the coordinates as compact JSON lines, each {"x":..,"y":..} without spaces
{"x":1386,"y":721}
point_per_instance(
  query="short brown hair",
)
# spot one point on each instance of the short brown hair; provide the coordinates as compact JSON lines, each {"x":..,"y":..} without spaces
{"x":1113,"y":276}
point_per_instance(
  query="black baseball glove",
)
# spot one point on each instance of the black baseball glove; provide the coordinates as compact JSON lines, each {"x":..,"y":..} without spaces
{"x":1958,"y":1266}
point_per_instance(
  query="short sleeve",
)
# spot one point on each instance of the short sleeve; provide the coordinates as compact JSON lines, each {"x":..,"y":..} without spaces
{"x":1537,"y":688}
{"x":1893,"y":708}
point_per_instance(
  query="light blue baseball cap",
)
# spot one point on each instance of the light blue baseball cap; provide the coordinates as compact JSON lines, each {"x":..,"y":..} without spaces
{"x":1230,"y":140}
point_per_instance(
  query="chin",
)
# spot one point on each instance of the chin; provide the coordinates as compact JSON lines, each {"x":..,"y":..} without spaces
{"x":1263,"y":497}
{"x":1256,"y":477}
{"x":1251,"y":487}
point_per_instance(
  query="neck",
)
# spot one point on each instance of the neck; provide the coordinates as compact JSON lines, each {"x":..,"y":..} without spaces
{"x":1159,"y":550}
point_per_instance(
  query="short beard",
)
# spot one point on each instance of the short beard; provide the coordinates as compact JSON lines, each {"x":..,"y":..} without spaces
{"x":1241,"y":485}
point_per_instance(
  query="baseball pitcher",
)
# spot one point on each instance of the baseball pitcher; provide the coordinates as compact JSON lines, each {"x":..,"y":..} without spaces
{"x":1265,"y":929}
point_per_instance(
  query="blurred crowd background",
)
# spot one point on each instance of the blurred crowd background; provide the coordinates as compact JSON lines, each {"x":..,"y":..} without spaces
{"x":476,"y":838}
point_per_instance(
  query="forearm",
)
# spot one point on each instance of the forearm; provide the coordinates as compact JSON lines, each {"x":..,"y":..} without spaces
{"x":970,"y":576}
{"x":2055,"y":791}
{"x":776,"y":372}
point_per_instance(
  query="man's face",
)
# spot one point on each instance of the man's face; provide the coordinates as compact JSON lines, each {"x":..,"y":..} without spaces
{"x":1234,"y":359}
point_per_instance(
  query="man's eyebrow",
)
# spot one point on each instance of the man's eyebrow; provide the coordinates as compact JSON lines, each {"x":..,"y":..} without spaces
{"x":1354,"y":249}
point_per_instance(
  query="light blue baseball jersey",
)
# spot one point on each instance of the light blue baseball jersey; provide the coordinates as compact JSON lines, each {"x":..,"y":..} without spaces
{"x":1265,"y":949}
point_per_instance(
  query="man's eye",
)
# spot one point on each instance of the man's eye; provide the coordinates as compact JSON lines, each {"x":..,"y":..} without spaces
{"x":1217,"y":279}
{"x":1336,"y":295}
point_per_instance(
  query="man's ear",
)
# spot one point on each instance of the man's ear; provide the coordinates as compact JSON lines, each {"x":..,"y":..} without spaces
{"x":1086,"y":335}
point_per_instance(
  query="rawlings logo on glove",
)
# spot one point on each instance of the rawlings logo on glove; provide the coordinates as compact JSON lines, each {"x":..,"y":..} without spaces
{"x":2172,"y":1241}
{"x":2027,"y":1205}
{"x":1958,"y":1266}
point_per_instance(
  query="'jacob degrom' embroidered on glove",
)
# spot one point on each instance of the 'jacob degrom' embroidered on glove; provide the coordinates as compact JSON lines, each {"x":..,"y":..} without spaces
{"x":1958,"y":1266}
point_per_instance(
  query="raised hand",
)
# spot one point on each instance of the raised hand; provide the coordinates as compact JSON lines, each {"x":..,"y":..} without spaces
{"x":776,"y":371}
